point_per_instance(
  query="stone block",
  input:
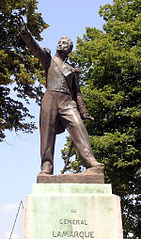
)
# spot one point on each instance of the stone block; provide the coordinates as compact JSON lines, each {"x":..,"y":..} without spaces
{"x":61,"y":211}
{"x":91,"y":175}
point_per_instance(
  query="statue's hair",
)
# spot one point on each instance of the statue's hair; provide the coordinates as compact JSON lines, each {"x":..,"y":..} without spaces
{"x":69,"y":40}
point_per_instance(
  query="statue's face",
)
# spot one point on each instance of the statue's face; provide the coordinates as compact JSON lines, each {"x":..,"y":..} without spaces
{"x":64,"y":45}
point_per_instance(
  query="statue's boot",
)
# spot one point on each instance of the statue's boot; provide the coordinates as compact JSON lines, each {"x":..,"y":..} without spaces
{"x":88,"y":158}
{"x":47,"y":168}
{"x":95,"y":164}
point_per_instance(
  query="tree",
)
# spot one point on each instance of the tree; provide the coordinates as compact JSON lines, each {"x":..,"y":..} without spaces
{"x":19,"y":70}
{"x":111,"y":86}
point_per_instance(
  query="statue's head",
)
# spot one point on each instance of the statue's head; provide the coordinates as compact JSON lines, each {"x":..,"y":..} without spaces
{"x":64,"y":45}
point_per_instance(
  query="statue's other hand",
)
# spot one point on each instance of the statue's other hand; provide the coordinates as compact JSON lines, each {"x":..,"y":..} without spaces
{"x":21,"y":25}
{"x":77,"y":69}
{"x":89,"y":117}
{"x":86,"y":116}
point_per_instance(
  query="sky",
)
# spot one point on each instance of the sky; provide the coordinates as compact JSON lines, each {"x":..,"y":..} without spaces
{"x":20,"y":153}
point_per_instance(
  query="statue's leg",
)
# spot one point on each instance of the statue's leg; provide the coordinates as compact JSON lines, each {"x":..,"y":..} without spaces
{"x":47,"y":131}
{"x":78,"y":132}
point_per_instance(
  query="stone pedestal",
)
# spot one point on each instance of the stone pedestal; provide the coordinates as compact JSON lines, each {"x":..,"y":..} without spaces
{"x":91,"y":175}
{"x":61,"y":211}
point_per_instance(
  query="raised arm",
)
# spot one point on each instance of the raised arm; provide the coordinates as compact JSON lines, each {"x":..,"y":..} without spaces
{"x":43,"y":54}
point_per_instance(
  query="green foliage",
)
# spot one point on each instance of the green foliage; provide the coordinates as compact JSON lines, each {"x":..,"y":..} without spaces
{"x":19,"y":70}
{"x":111,"y":86}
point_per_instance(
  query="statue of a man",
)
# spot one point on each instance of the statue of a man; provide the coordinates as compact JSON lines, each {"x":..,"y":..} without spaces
{"x":61,"y":103}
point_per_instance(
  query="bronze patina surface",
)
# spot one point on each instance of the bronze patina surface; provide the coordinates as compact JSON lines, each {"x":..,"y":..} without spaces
{"x":62,"y":105}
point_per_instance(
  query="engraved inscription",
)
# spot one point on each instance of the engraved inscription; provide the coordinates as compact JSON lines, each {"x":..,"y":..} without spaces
{"x":75,"y":234}
{"x":73,"y":210}
{"x":73,"y":222}
{"x":74,"y":231}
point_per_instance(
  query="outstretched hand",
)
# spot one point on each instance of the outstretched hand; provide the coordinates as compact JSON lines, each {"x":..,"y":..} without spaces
{"x":21,"y":24}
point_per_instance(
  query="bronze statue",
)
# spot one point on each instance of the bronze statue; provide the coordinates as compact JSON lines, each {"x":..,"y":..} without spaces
{"x":61,"y":103}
